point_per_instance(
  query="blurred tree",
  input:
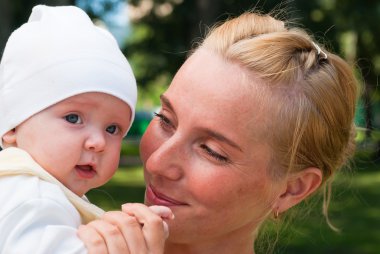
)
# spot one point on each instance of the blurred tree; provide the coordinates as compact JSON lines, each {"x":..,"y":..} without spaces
{"x":98,"y":9}
{"x":13,"y":13}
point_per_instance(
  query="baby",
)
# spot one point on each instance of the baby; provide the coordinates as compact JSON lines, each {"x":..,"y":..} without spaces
{"x":67,"y":99}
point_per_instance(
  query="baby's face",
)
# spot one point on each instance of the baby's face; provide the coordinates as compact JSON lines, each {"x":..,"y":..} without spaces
{"x":78,"y":139}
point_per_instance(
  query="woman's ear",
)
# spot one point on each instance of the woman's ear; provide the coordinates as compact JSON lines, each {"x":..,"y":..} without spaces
{"x":9,"y":138}
{"x":299,"y":186}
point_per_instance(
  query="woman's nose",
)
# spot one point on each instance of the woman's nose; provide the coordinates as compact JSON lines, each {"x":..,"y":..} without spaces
{"x":167,"y":160}
{"x":95,"y":142}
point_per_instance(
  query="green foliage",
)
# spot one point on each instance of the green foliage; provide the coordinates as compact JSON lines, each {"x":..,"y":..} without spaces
{"x":129,"y":148}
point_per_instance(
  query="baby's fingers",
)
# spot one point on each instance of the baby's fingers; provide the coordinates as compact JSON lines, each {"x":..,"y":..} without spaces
{"x":131,"y":230}
{"x":153,"y":227}
{"x":108,"y":238}
{"x":93,"y":241}
{"x":162,"y":211}
{"x":165,"y":213}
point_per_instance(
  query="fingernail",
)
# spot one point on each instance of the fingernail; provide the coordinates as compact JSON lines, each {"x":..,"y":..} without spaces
{"x":166,"y":229}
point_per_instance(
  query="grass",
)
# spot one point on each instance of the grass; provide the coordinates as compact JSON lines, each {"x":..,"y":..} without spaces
{"x":355,"y":210}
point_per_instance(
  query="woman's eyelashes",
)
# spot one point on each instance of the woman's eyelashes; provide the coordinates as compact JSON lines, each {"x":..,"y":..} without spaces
{"x":164,"y":121}
{"x":214,"y":154}
{"x":73,"y":118}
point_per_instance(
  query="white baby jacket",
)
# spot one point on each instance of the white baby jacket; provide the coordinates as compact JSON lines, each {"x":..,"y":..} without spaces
{"x":38,"y":214}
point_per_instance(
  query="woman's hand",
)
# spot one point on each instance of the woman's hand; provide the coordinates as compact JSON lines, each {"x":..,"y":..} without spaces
{"x":138,"y":229}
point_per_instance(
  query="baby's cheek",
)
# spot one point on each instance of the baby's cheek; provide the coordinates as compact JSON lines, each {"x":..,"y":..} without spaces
{"x":112,"y":166}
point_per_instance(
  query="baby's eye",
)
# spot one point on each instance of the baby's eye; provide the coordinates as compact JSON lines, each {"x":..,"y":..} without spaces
{"x":113,"y":129}
{"x":73,"y":118}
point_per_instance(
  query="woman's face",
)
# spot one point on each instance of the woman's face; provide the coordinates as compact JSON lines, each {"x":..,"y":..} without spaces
{"x":203,"y":156}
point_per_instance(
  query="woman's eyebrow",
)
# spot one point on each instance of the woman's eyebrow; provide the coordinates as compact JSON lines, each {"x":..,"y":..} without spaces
{"x":165,"y":101}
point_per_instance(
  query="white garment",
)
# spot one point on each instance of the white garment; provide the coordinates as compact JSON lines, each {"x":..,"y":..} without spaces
{"x":38,"y":216}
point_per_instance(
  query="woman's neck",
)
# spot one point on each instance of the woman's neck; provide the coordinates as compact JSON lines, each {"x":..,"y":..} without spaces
{"x":239,"y":241}
{"x":226,"y":246}
{"x":222,"y":249}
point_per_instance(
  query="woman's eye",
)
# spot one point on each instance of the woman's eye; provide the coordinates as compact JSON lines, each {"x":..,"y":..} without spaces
{"x":164,"y":121}
{"x":214,"y":154}
{"x":113,"y":129}
{"x":73,"y":118}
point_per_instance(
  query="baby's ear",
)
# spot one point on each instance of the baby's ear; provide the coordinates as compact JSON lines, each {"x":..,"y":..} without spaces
{"x":9,"y":138}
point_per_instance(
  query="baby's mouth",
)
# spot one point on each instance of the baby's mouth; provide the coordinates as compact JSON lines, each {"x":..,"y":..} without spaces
{"x":85,"y":171}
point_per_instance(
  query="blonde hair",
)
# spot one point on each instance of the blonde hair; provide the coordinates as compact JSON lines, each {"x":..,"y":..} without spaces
{"x":311,"y":93}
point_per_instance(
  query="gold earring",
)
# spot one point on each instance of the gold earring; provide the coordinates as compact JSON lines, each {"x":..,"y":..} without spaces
{"x":276,"y":213}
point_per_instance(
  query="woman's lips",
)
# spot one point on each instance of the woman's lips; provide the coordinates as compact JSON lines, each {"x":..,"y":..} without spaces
{"x":156,"y":198}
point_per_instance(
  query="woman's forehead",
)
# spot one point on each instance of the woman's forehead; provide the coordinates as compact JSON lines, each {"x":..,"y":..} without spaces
{"x":209,"y":91}
{"x":208,"y":80}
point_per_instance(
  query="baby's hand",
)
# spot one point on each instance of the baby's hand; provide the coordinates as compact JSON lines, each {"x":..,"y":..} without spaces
{"x":137,"y":229}
{"x":163,"y":211}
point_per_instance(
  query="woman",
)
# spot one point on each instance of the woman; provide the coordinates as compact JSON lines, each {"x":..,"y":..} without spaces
{"x":256,"y":120}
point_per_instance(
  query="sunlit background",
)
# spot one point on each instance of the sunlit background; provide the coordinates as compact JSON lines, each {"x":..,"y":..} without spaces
{"x":156,"y":37}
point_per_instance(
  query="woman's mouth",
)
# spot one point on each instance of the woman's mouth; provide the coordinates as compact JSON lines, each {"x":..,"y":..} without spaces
{"x":85,"y":171}
{"x":155,"y":198}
